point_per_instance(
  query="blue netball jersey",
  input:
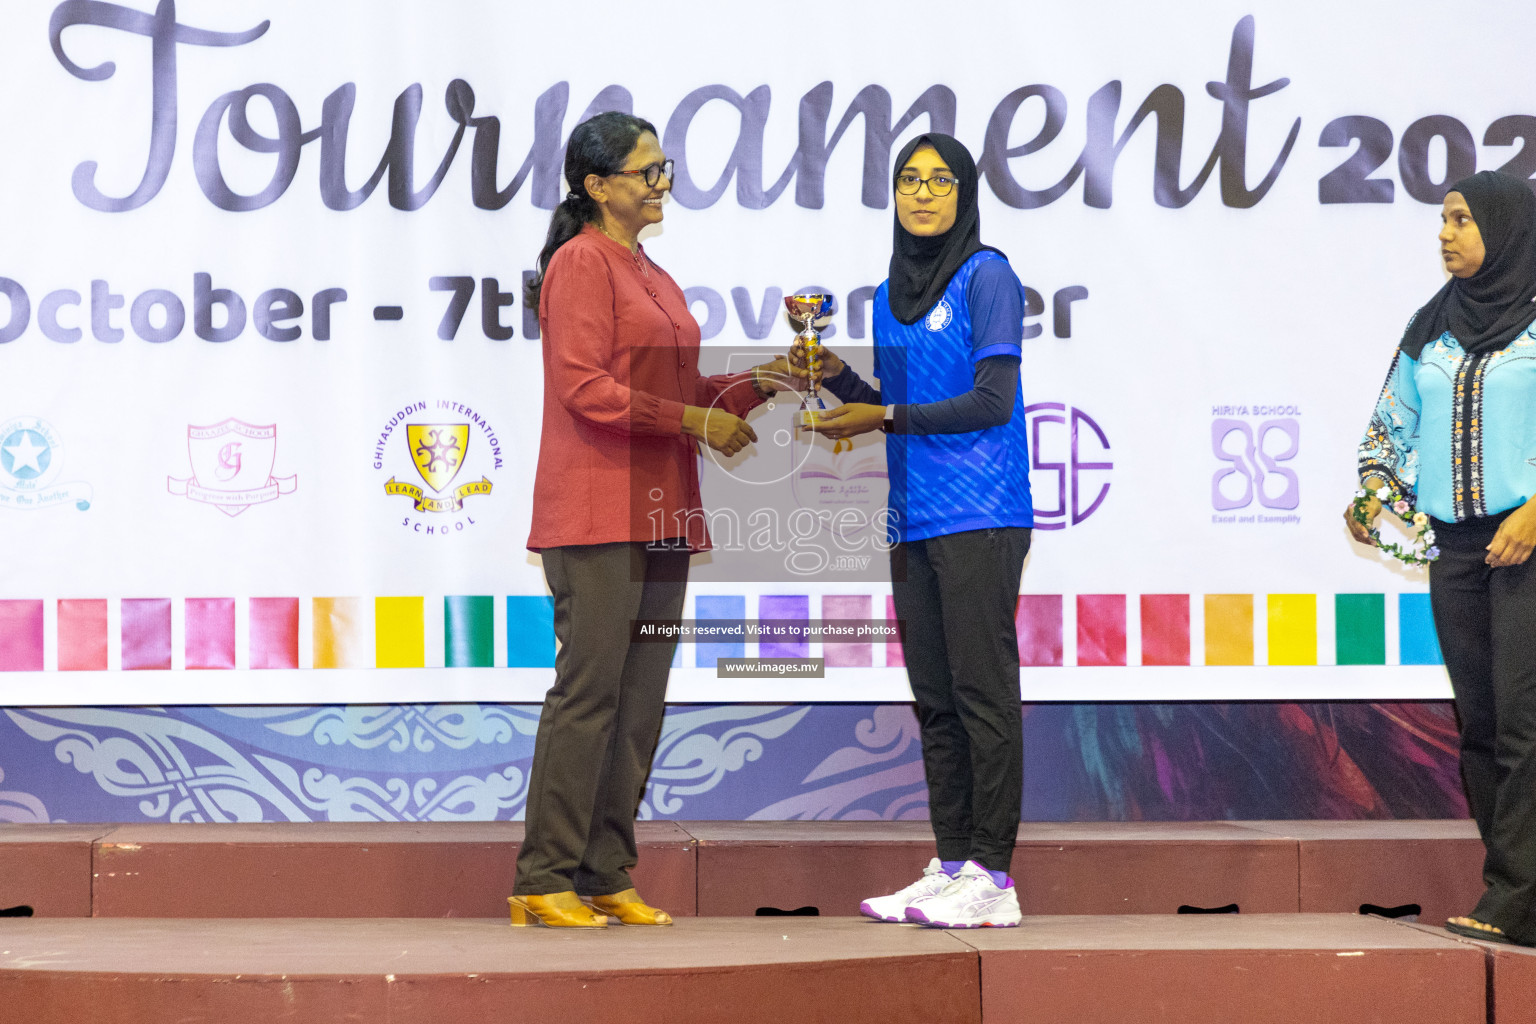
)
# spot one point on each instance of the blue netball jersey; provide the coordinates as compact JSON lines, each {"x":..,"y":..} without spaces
{"x":948,"y":483}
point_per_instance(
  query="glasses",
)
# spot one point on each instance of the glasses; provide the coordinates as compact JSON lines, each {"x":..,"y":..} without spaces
{"x":654,"y":173}
{"x":939,"y":186}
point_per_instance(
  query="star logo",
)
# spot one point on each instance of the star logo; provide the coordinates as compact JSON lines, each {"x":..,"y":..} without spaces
{"x":25,"y":454}
{"x":31,"y":459}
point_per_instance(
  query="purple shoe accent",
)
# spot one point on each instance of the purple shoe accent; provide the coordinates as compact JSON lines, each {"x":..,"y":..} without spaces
{"x":868,"y":911}
{"x":999,"y":878}
{"x":915,"y":914}
{"x":951,"y":867}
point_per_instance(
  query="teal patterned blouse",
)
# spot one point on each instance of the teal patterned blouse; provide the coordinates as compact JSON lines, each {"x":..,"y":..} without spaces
{"x":1457,"y":432}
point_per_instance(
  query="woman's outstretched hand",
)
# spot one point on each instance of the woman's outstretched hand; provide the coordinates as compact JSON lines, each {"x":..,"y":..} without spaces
{"x":848,"y":420}
{"x":769,"y":378}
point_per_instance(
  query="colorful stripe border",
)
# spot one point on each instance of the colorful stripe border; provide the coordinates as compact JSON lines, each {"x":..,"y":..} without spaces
{"x":517,"y":631}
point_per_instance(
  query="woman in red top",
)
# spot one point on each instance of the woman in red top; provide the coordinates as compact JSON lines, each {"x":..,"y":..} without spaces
{"x":624,"y":409}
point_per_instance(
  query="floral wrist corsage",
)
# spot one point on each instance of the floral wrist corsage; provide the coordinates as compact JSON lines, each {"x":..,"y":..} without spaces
{"x":1421,"y":551}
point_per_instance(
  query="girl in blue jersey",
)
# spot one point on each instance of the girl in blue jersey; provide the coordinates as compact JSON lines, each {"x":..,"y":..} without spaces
{"x":948,"y":326}
{"x":1453,"y":433}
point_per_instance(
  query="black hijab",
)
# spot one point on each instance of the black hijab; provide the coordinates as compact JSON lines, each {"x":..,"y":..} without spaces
{"x":1492,"y":307}
{"x":922,"y":266}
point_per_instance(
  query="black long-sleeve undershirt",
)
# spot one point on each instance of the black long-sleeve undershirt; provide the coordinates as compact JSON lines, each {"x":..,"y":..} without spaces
{"x":989,"y":403}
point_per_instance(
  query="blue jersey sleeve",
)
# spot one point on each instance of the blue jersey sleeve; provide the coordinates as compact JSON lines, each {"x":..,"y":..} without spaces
{"x":996,"y":301}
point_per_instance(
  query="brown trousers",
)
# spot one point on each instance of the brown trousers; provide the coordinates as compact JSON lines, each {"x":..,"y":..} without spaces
{"x":601,"y":719}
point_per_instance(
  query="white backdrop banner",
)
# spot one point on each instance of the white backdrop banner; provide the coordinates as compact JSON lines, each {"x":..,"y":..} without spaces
{"x":261,"y":255}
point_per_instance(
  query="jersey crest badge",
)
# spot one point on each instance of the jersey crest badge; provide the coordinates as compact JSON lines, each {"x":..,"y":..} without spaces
{"x":940,"y":316}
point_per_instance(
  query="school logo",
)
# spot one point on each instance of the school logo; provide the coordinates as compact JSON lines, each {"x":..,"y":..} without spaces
{"x":940,"y":316}
{"x":31,"y":459}
{"x":232,"y":466}
{"x":1254,"y":447}
{"x":441,"y":459}
{"x":438,"y":450}
{"x":1070,"y":464}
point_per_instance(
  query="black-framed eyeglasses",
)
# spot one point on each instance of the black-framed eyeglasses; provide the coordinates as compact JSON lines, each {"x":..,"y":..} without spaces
{"x":654,"y":172}
{"x":939,"y":186}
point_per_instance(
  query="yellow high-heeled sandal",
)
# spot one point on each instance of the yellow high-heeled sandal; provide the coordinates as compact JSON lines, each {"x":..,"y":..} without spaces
{"x":628,"y":908}
{"x":554,"y":910}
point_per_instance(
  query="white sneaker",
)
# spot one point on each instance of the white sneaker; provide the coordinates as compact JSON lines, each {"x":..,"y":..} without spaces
{"x":894,"y":906}
{"x":971,"y":900}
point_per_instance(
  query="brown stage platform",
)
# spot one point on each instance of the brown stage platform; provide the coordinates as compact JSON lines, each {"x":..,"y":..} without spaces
{"x":1511,"y":984}
{"x":1259,"y":969}
{"x":1164,"y":968}
{"x":1069,"y":868}
{"x":48,"y":867}
{"x":344,"y":869}
{"x":1511,"y":979}
{"x":1346,"y":864}
{"x":464,"y":869}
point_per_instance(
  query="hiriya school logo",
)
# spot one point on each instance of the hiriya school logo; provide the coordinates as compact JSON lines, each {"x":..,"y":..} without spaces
{"x":232,"y":466}
{"x":31,"y":458}
{"x":939,"y":316}
{"x":1253,"y":444}
{"x":450,"y":448}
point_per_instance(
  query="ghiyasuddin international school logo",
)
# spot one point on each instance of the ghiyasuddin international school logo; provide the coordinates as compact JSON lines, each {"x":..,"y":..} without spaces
{"x":31,"y":459}
{"x":232,"y":467}
{"x":448,"y":445}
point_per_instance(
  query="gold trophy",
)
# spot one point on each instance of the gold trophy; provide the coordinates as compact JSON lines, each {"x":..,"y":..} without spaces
{"x":807,"y":308}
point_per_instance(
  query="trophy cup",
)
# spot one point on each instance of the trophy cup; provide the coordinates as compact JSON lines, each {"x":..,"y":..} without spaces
{"x":808,"y":308}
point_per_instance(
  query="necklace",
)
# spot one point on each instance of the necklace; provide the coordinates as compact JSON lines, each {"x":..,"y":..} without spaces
{"x":634,"y":253}
{"x":599,"y":225}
